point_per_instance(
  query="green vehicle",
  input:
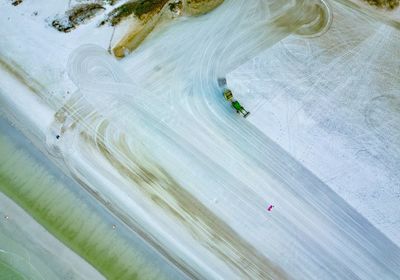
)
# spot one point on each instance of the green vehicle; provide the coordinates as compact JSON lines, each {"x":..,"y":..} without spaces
{"x":239,"y":108}
{"x":235,"y":104}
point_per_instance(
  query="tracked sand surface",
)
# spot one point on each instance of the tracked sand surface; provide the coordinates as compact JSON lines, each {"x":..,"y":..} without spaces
{"x":332,"y":104}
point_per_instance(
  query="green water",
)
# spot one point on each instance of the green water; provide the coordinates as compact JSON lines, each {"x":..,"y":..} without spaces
{"x":8,"y":273}
{"x":68,"y":213}
{"x":18,"y":260}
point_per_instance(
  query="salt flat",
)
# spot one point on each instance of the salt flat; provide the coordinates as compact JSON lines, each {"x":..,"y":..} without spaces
{"x":152,"y":137}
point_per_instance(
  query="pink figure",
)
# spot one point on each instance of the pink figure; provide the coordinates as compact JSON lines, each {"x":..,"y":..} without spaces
{"x":270,"y":207}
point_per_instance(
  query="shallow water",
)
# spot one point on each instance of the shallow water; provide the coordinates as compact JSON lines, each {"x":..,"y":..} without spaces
{"x":70,"y":214}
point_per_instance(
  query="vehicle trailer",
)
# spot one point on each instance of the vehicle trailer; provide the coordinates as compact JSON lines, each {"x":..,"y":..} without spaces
{"x":235,"y":104}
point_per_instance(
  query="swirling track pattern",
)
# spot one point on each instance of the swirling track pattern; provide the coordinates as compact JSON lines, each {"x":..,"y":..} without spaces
{"x":181,"y":173}
{"x":196,"y":188}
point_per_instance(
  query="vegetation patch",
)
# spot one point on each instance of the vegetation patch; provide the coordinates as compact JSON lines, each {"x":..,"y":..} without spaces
{"x":385,"y":4}
{"x":176,"y":7}
{"x":76,"y":16}
{"x":16,"y":2}
{"x":199,"y":7}
{"x":142,"y":9}
{"x":111,"y":2}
